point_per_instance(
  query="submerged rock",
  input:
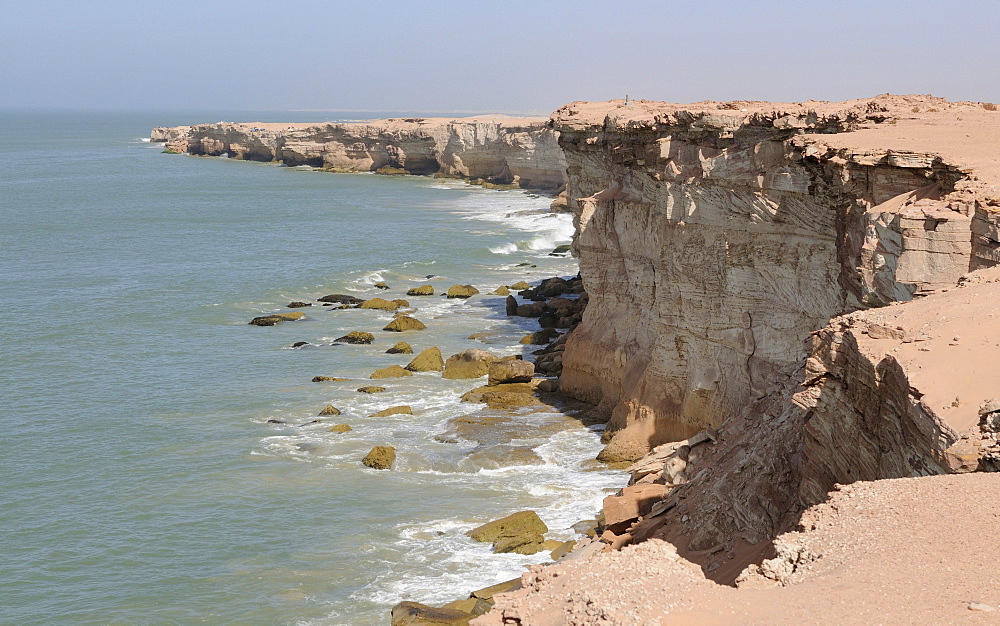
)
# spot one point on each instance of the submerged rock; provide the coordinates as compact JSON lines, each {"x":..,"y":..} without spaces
{"x":393,"y":371}
{"x":462,"y":291}
{"x":422,"y":290}
{"x":371,"y":389}
{"x":297,"y":304}
{"x":356,"y":337}
{"x":400,"y":348}
{"x":416,"y":614}
{"x":299,"y":344}
{"x":404,"y":323}
{"x":380,"y":457}
{"x":271,"y":320}
{"x":393,"y":410}
{"x":329,"y":410}
{"x":471,"y":363}
{"x":328,"y":379}
{"x":430,"y":360}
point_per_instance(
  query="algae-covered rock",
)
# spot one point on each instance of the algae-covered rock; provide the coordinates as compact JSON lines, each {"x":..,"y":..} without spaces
{"x":404,"y":323}
{"x":430,"y":360}
{"x":393,"y":371}
{"x":328,"y":379}
{"x":379,"y":304}
{"x":502,"y":290}
{"x":381,"y":285}
{"x":416,"y":614}
{"x":271,"y":320}
{"x":520,"y":286}
{"x":462,"y":291}
{"x":422,"y":290}
{"x":371,"y":389}
{"x":340,"y":428}
{"x":356,"y":337}
{"x":400,"y":348}
{"x":380,"y":457}
{"x":393,"y":410}
{"x":329,"y":410}
{"x":471,"y":363}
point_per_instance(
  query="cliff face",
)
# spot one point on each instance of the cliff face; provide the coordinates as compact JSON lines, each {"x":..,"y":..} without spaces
{"x":502,"y":150}
{"x":714,"y":238}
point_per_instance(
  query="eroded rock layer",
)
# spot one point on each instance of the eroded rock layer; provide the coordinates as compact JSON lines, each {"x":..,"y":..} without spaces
{"x":499,"y":150}
{"x":714,"y":238}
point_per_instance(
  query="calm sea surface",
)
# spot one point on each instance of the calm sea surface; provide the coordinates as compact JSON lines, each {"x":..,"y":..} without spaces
{"x":141,"y":481}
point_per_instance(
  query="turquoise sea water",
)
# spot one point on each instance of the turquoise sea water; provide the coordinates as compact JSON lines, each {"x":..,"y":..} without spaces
{"x":141,"y":480}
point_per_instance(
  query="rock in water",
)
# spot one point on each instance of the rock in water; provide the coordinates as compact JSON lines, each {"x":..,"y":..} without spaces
{"x":340,"y":428}
{"x":340,"y":298}
{"x":430,"y":360}
{"x":356,"y":337}
{"x":502,"y":290}
{"x":381,"y":286}
{"x":462,"y":291}
{"x":520,"y":286}
{"x":271,"y":320}
{"x":520,"y":532}
{"x":329,"y":410}
{"x":328,"y":379}
{"x":415,"y":614}
{"x":371,"y":389}
{"x":297,"y":304}
{"x":422,"y":290}
{"x":404,"y":323}
{"x":380,"y":457}
{"x":471,"y":363}
{"x":510,"y":372}
{"x":380,"y":304}
{"x":560,"y":250}
{"x":393,"y":371}
{"x":511,"y":303}
{"x":393,"y":410}
{"x":400,"y":348}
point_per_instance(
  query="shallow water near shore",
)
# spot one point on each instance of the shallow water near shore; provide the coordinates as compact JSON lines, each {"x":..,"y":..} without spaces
{"x":142,"y":482}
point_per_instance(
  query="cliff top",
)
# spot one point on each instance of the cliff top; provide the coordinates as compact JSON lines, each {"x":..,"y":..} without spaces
{"x":961,"y":133}
{"x":390,"y":124}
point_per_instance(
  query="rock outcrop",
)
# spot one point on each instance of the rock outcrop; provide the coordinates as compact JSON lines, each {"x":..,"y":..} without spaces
{"x":496,"y":149}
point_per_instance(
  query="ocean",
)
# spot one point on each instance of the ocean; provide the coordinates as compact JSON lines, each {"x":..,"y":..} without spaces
{"x":142,"y":480}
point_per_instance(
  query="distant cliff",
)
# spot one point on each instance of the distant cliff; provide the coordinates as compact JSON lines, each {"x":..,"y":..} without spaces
{"x":500,"y":150}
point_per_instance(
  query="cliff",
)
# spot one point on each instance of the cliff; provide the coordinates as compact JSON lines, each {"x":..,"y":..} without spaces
{"x":496,"y":149}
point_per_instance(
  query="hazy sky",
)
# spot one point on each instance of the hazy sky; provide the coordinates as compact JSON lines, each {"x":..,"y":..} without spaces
{"x":487,"y":56}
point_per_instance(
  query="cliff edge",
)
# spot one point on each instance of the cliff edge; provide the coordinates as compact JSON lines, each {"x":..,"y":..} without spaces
{"x":496,"y":149}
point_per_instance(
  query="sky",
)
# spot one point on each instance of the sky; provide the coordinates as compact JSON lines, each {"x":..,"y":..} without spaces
{"x":475,"y":56}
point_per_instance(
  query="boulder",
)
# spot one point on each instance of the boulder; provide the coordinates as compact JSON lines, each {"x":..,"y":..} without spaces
{"x":416,"y":614}
{"x":380,"y":457}
{"x":328,"y":379}
{"x":479,"y":393}
{"x":271,"y":320}
{"x":340,"y":298}
{"x":380,"y":304}
{"x":422,"y":290}
{"x":297,"y":304}
{"x":462,"y":291}
{"x":430,"y":360}
{"x":624,"y":508}
{"x":400,"y":348}
{"x":471,"y":363}
{"x":299,"y":344}
{"x":510,"y":372}
{"x":340,"y":428}
{"x":356,"y":337}
{"x":506,"y":586}
{"x":560,"y":250}
{"x":329,"y":410}
{"x":393,"y":410}
{"x":541,"y":337}
{"x":381,"y":286}
{"x":520,"y":532}
{"x":520,"y":286}
{"x":502,"y":290}
{"x":402,"y":303}
{"x":535,"y":309}
{"x":393,"y":371}
{"x":371,"y":389}
{"x":511,"y":305}
{"x":404,"y":323}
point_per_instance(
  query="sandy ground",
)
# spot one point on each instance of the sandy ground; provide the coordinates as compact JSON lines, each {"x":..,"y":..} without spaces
{"x":903,"y":551}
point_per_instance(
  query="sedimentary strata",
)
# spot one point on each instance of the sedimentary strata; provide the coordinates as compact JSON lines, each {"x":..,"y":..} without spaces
{"x":499,"y":150}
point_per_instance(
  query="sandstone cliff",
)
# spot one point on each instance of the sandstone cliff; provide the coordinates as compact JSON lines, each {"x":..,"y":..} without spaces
{"x":498,"y":149}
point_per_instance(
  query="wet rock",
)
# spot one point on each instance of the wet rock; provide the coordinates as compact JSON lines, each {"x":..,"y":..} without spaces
{"x":416,"y":614}
{"x":520,"y":286}
{"x":328,"y":379}
{"x":422,"y":290}
{"x":535,"y":309}
{"x":297,"y":304}
{"x":380,"y":304}
{"x":511,"y":305}
{"x":495,"y":457}
{"x":356,"y":337}
{"x":340,"y":428}
{"x":560,"y":250}
{"x":299,"y":344}
{"x":371,"y":389}
{"x":311,"y":422}
{"x":402,"y":303}
{"x":471,"y":363}
{"x":404,"y":323}
{"x":400,"y":348}
{"x":430,"y":360}
{"x":393,"y":410}
{"x":381,"y":285}
{"x":462,"y":291}
{"x":510,"y":372}
{"x":553,"y":287}
{"x":502,"y":290}
{"x":276,"y":422}
{"x":540,"y":337}
{"x":478,"y":394}
{"x":393,"y":371}
{"x":329,"y":410}
{"x":380,"y":457}
{"x":520,"y":532}
{"x":271,"y":320}
{"x":340,"y":298}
